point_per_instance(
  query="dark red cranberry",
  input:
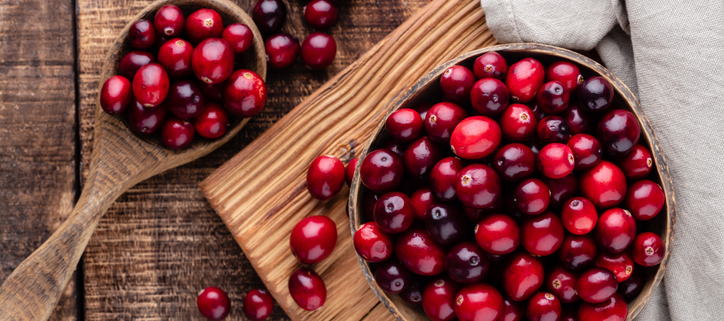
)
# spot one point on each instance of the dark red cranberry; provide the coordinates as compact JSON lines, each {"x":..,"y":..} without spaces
{"x":552,"y":129}
{"x":381,"y":171}
{"x":177,"y":134}
{"x":595,"y":94}
{"x":438,"y":299}
{"x":392,"y":277}
{"x":175,"y":56}
{"x":620,"y":264}
{"x":497,"y":234}
{"x":394,"y":212}
{"x":404,"y":125}
{"x":644,"y":199}
{"x":562,"y":283}
{"x":567,"y":73}
{"x":446,"y":223}
{"x":518,"y":123}
{"x":632,"y":287}
{"x":615,"y":230}
{"x":258,"y":305}
{"x":466,"y":263}
{"x":320,"y":14}
{"x":577,"y":251}
{"x":371,"y":243}
{"x":419,"y":252}
{"x":619,"y":132}
{"x":318,"y":50}
{"x":613,"y":309}
{"x":586,"y":150}
{"x":456,"y":83}
{"x":144,"y":120}
{"x":479,"y":302}
{"x":637,"y":164}
{"x":553,"y":97}
{"x":213,"y":303}
{"x":562,"y":189}
{"x":523,"y":276}
{"x":396,"y":147}
{"x":422,"y":199}
{"x":596,"y":285}
{"x":544,"y":306}
{"x":442,"y":119}
{"x":475,"y":137}
{"x":413,"y":293}
{"x":307,"y":289}
{"x":514,"y":162}
{"x":239,"y":37}
{"x":532,"y":196}
{"x":524,"y":78}
{"x":116,"y":95}
{"x":369,"y":199}
{"x":325,"y":177}
{"x":556,"y":160}
{"x":579,"y":215}
{"x":603,"y":184}
{"x":244,"y":93}
{"x":489,"y":97}
{"x":512,"y":311}
{"x":490,"y":65}
{"x":142,"y":35}
{"x":132,"y":61}
{"x":269,"y":15}
{"x":212,"y":122}
{"x":475,"y":214}
{"x":648,"y":249}
{"x":542,"y":234}
{"x":150,"y":85}
{"x":185,"y":99}
{"x":577,"y":119}
{"x":443,"y":178}
{"x":422,"y":109}
{"x":203,"y":24}
{"x":169,"y":21}
{"x":213,"y":60}
{"x":211,"y":92}
{"x":349,"y":170}
{"x":421,"y":156}
{"x":313,"y":239}
{"x":478,"y":186}
{"x":281,"y":49}
{"x":538,"y":112}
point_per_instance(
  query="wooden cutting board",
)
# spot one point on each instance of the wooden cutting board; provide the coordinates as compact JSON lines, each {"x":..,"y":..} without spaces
{"x":261,"y":192}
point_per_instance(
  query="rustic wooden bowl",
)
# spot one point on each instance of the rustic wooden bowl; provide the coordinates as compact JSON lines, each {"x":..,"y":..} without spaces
{"x":427,"y":89}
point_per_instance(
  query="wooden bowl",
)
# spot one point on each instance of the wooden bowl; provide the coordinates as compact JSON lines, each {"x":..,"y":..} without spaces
{"x":427,"y":89}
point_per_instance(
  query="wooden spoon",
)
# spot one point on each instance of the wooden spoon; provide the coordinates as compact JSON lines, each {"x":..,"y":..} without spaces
{"x":120,"y":160}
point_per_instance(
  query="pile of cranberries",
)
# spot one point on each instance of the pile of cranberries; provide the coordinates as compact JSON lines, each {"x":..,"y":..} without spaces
{"x":180,"y":77}
{"x":214,"y":304}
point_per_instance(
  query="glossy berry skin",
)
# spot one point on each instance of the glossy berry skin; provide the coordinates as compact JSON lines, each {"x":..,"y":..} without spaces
{"x":596,"y":285}
{"x":578,"y":120}
{"x":524,"y":78}
{"x":579,"y":215}
{"x":244,"y":94}
{"x":413,"y":293}
{"x":349,"y":170}
{"x":615,"y":230}
{"x":586,"y":150}
{"x":565,"y":72}
{"x":544,"y":306}
{"x":466,"y":263}
{"x":394,"y":212}
{"x":212,"y":122}
{"x":542,"y":234}
{"x":523,"y":276}
{"x":422,"y":199}
{"x":381,"y":171}
{"x":562,"y":283}
{"x":185,"y":99}
{"x":632,"y":287}
{"x":577,"y":251}
{"x":371,"y":243}
{"x":417,"y":250}
{"x":489,"y":97}
{"x":150,"y":85}
{"x":269,"y":15}
{"x":644,"y":199}
{"x":497,"y":234}
{"x":443,"y":178}
{"x":618,"y":132}
{"x":307,"y":289}
{"x":446,"y":223}
{"x":258,"y":305}
{"x":512,"y":310}
{"x":421,"y":156}
{"x":396,"y":147}
{"x":318,"y":50}
{"x":514,"y":162}
{"x":562,"y":189}
{"x":213,"y":60}
{"x":313,"y":239}
{"x":392,"y":277}
{"x":613,"y":309}
{"x":438,"y":299}
{"x":532,"y":196}
{"x":404,"y":125}
{"x":325,"y":177}
{"x":177,"y":134}
{"x":281,"y":49}
{"x":621,"y":264}
{"x":552,"y":129}
{"x":479,"y":302}
{"x":239,"y":37}
{"x":478,"y":186}
{"x":320,"y":14}
{"x":637,"y":164}
{"x":142,"y":35}
{"x":175,"y":56}
{"x":648,"y":249}
{"x":144,"y":120}
{"x":556,"y":160}
{"x":604,"y":185}
{"x":116,"y":95}
{"x":213,"y":303}
{"x":442,"y":119}
{"x":490,"y":65}
{"x":203,"y":24}
{"x":475,"y":137}
{"x":169,"y":21}
{"x":456,"y":83}
{"x":132,"y":61}
{"x":518,"y":123}
{"x":553,"y":97}
{"x":595,"y":94}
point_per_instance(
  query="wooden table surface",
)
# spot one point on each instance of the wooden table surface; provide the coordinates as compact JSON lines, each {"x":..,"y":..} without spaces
{"x":161,"y":242}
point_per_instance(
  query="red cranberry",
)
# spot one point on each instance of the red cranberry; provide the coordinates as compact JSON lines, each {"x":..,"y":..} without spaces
{"x":620,"y":264}
{"x":313,"y":239}
{"x":213,"y":303}
{"x":648,"y":249}
{"x":442,"y":119}
{"x":577,"y":119}
{"x":422,"y":199}
{"x":175,"y":57}
{"x":553,"y":97}
{"x":213,"y":60}
{"x":490,"y":65}
{"x":514,"y":162}
{"x":446,"y":223}
{"x":132,"y":61}
{"x":523,"y":276}
{"x":562,"y":189}
{"x":613,"y":309}
{"x":489,"y":97}
{"x":307,"y":289}
{"x":244,"y":93}
{"x":371,"y":243}
{"x":619,"y":132}
{"x":421,"y":156}
{"x":456,"y":83}
{"x":185,"y":99}
{"x":524,"y":78}
{"x":544,"y":306}
{"x":142,"y":35}
{"x":562,"y":283}
{"x":497,"y":234}
{"x":512,"y":311}
{"x":596,"y":285}
{"x":579,"y":215}
{"x":475,"y":137}
{"x":567,"y":73}
{"x":586,"y":150}
{"x":637,"y":164}
{"x":116,"y":95}
{"x":269,"y":15}
{"x":552,"y":129}
{"x":349,"y":170}
{"x":369,"y":200}
{"x":466,"y":263}
{"x":150,"y":85}
{"x":413,"y":293}
{"x":281,"y":49}
{"x":417,"y":250}
{"x":577,"y":251}
{"x":169,"y":21}
{"x":443,"y":178}
{"x":644,"y":199}
{"x":532,"y":196}
{"x":595,"y":94}
{"x":325,"y":177}
{"x":239,"y":37}
{"x":438,"y":299}
{"x":258,"y":305}
{"x":404,"y":125}
{"x":556,"y":160}
{"x":542,"y":234}
{"x":518,"y":123}
{"x":478,"y":186}
{"x":632,"y":287}
{"x":177,"y":134}
{"x":381,"y":171}
{"x":615,"y":230}
{"x":394,"y":212}
{"x":479,"y":302}
{"x":318,"y":50}
{"x":144,"y":120}
{"x":203,"y":24}
{"x":212,"y":122}
{"x":604,"y":185}
{"x":392,"y":277}
{"x":320,"y":14}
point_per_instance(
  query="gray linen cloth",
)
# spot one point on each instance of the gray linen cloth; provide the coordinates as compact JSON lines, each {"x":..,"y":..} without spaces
{"x":671,"y":54}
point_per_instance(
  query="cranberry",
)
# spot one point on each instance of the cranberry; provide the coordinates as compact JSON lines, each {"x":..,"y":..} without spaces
{"x":144,"y":120}
{"x":116,"y":95}
{"x":552,"y":129}
{"x":438,"y":299}
{"x":522,"y":277}
{"x":392,"y":277}
{"x":497,"y":234}
{"x":615,"y":230}
{"x":512,"y":311}
{"x":349,"y":170}
{"x":320,"y":14}
{"x":619,"y":132}
{"x":442,"y":119}
{"x":604,"y":185}
{"x":586,"y":150}
{"x":175,"y":57}
{"x":150,"y":85}
{"x":213,"y":303}
{"x":169,"y":21}
{"x":613,"y":309}
{"x":648,"y":249}
{"x":142,"y":35}
{"x":177,"y":133}
{"x":396,"y":147}
{"x":596,"y":285}
{"x":542,"y":234}
{"x":637,"y":164}
{"x":532,"y":196}
{"x":518,"y":123}
{"x":538,"y":112}
{"x":417,"y":250}
{"x":620,"y":264}
{"x":269,"y":15}
{"x":556,"y":160}
{"x":422,"y":199}
{"x":404,"y":125}
{"x":466,"y":263}
{"x":239,"y":37}
{"x":381,"y":171}
{"x":577,"y":251}
{"x":524,"y":78}
{"x":213,"y":60}
{"x":644,"y":199}
{"x":577,"y":119}
{"x":544,"y":307}
{"x":325,"y":177}
{"x":244,"y":93}
{"x":203,"y":24}
{"x":443,"y":178}
{"x":489,"y":97}
{"x":369,"y":200}
{"x":313,"y":239}
{"x":413,"y":293}
{"x":475,"y":137}
{"x":490,"y":65}
{"x":456,"y":83}
{"x":212,"y":122}
{"x":562,"y":283}
{"x":185,"y":99}
{"x":567,"y":73}
{"x":132,"y":61}
{"x":446,"y":223}
{"x":394,"y":212}
{"x":258,"y":305}
{"x":579,"y":215}
{"x":318,"y":50}
{"x":421,"y":156}
{"x":562,"y":189}
{"x":514,"y":162}
{"x":422,"y":109}
{"x":307,"y":289}
{"x":478,"y":186}
{"x":553,"y":97}
{"x":281,"y":49}
{"x":479,"y":302}
{"x":595,"y":94}
{"x":632,"y":287}
{"x":371,"y":243}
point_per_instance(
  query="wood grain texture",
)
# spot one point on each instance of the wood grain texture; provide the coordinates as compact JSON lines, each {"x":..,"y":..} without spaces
{"x":260,"y":193}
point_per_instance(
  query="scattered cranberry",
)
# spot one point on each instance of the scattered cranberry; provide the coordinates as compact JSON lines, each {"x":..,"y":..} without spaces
{"x":620,"y":264}
{"x":490,"y":65}
{"x":319,"y":50}
{"x":421,"y":156}
{"x":320,"y":14}
{"x":244,"y":93}
{"x":648,"y":249}
{"x":579,"y":215}
{"x":325,"y":177}
{"x":497,"y":234}
{"x":442,"y":119}
{"x":644,"y":199}
{"x":567,"y":73}
{"x":416,"y":249}
{"x":479,"y":302}
{"x":392,"y":277}
{"x":456,"y":83}
{"x":150,"y":85}
{"x":212,"y":122}
{"x":438,"y":299}
{"x":556,"y":160}
{"x":213,"y":303}
{"x":518,"y":123}
{"x":489,"y":97}
{"x":203,"y":24}
{"x":443,"y":178}
{"x":258,"y":305}
{"x":404,"y":125}
{"x":466,"y":263}
{"x":604,"y":185}
{"x":116,"y":95}
{"x":132,"y":61}
{"x":142,"y":35}
{"x":475,"y":137}
{"x":169,"y":21}
{"x":532,"y":196}
{"x":619,"y":132}
{"x":613,"y":309}
{"x":371,"y":243}
{"x":544,"y":307}
{"x":524,"y":78}
{"x":586,"y":150}
{"x":394,"y":212}
{"x":615,"y":230}
{"x":562,"y":283}
{"x":381,"y":171}
{"x":478,"y":186}
{"x":144,"y":120}
{"x":578,"y":120}
{"x":596,"y":285}
{"x":313,"y":239}
{"x":281,"y":49}
{"x":177,"y":133}
{"x":269,"y":15}
{"x":562,"y":189}
{"x":577,"y":251}
{"x":514,"y":162}
{"x":349,"y":170}
{"x":239,"y":37}
{"x":637,"y":164}
{"x":175,"y":56}
{"x":595,"y":94}
{"x":632,"y":287}
{"x":552,"y":129}
{"x":213,"y":60}
{"x":446,"y":223}
{"x":523,"y":276}
{"x":542,"y":234}
{"x":553,"y":97}
{"x":307,"y":289}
